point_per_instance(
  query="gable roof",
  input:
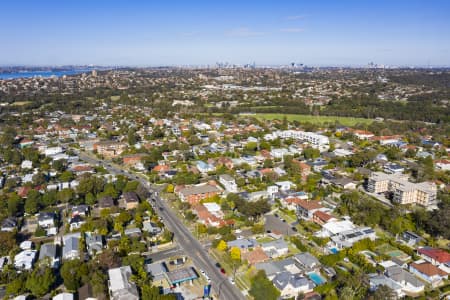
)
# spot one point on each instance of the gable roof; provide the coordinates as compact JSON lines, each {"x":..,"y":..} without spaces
{"x":439,"y":255}
{"x":428,"y":269}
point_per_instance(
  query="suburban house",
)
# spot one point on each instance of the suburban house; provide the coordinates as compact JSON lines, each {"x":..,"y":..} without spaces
{"x":105,"y":202}
{"x":428,"y":272}
{"x":24,"y":260}
{"x":243,"y":244}
{"x":151,"y":227}
{"x":285,"y":185}
{"x":437,"y":257}
{"x":346,"y":239}
{"x":409,"y":283}
{"x":194,"y":194}
{"x":255,"y":256}
{"x":204,"y":167}
{"x":94,"y":243}
{"x":63,"y":296}
{"x":210,"y":214}
{"x":411,"y":238}
{"x":228,"y":183}
{"x":307,"y":262}
{"x":119,"y":285}
{"x":321,"y":217}
{"x":130,"y":200}
{"x":46,"y":219}
{"x":306,"y":209}
{"x":9,"y":224}
{"x":48,"y":255}
{"x":80,"y":210}
{"x":275,"y":248}
{"x":377,"y":280}
{"x":71,"y":246}
{"x":274,"y":267}
{"x":291,"y":285}
{"x":157,"y":271}
{"x":76,"y":222}
{"x":133,"y":160}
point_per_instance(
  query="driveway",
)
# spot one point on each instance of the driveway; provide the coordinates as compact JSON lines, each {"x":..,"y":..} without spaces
{"x":274,"y":224}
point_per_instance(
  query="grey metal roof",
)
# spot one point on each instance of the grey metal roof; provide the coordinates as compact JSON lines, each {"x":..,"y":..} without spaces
{"x":47,"y":250}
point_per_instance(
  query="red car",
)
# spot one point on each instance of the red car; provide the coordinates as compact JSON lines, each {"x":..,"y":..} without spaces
{"x":222,"y":270}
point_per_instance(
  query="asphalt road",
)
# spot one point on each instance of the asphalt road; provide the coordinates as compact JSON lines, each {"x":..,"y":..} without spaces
{"x":166,"y":254}
{"x":220,"y":284}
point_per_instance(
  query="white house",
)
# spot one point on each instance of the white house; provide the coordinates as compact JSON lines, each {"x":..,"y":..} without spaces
{"x":27,"y":164}
{"x":63,"y":296}
{"x":25,"y":259}
{"x":53,"y":151}
{"x":275,"y":248}
{"x":46,"y":219}
{"x":272,"y":190}
{"x":119,"y":285}
{"x":285,"y":185}
{"x":229,"y":183}
{"x":291,"y":285}
{"x":279,"y":152}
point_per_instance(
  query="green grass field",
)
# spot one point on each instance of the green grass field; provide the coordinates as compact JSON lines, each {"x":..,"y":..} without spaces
{"x":348,"y":121}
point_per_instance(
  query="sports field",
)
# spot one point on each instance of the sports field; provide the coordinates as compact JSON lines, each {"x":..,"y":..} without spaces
{"x":348,"y":121}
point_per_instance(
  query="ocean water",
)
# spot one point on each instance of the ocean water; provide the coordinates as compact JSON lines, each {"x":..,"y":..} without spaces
{"x":44,"y":74}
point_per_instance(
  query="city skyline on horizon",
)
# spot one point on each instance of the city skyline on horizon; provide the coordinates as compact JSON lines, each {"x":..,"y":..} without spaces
{"x":48,"y":33}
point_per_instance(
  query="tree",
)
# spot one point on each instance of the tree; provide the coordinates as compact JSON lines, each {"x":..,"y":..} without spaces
{"x":66,"y":176}
{"x":132,"y":137}
{"x":59,"y":165}
{"x":108,"y":259}
{"x":39,"y":178}
{"x":170,"y":188}
{"x":222,"y":246}
{"x":268,"y":163}
{"x":235,"y":253}
{"x":265,"y":146}
{"x":16,"y":286}
{"x":262,"y":288}
{"x":15,"y":204}
{"x":71,"y":274}
{"x":65,"y":195}
{"x":384,"y":292}
{"x":49,"y":198}
{"x":32,"y":202}
{"x":40,"y":281}
{"x":311,"y":153}
{"x":7,"y":242}
{"x":150,"y":292}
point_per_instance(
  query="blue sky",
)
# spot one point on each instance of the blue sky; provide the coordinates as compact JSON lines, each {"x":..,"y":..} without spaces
{"x":149,"y":33}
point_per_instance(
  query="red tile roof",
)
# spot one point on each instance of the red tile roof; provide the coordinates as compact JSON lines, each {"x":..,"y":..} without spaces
{"x":428,"y":269}
{"x":323,"y":215}
{"x":309,"y":205}
{"x":438,"y":255}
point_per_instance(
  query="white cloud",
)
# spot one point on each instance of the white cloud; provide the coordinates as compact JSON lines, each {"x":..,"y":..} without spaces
{"x":243,"y":32}
{"x":292,"y":30}
{"x":296,"y":17}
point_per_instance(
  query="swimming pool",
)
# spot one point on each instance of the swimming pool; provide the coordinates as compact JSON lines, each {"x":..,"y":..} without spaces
{"x":316,"y":278}
{"x":334,"y":250}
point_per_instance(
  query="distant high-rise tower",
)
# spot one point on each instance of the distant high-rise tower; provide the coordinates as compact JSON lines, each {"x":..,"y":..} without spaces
{"x":94,"y":73}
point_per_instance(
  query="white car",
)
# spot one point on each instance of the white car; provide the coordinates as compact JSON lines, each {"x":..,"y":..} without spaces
{"x":231,"y":281}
